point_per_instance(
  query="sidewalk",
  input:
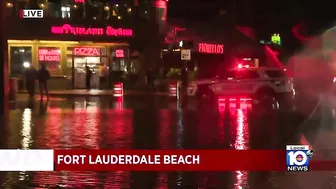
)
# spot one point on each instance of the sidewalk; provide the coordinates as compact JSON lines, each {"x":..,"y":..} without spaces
{"x":98,"y":93}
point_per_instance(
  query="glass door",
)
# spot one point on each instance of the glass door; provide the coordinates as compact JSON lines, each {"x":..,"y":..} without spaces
{"x":81,"y":58}
{"x":80,"y":71}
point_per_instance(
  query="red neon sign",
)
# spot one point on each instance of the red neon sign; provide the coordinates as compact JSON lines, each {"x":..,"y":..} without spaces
{"x":49,"y":55}
{"x":210,"y":48}
{"x":161,"y":4}
{"x":120,"y":53}
{"x":86,"y":51}
{"x":79,"y":1}
{"x":67,"y":29}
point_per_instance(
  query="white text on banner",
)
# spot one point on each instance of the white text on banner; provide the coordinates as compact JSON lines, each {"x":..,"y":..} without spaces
{"x":26,"y":160}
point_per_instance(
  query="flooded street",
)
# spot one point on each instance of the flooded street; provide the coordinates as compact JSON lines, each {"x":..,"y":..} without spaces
{"x":142,"y":122}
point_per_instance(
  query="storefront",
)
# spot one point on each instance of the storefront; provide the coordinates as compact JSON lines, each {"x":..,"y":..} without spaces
{"x":67,"y":49}
{"x":209,"y":49}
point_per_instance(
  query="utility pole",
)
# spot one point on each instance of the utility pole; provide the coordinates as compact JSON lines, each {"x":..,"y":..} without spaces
{"x":3,"y":61}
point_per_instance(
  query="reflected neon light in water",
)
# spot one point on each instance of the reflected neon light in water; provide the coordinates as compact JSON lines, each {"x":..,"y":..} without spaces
{"x":67,"y":29}
{"x":26,"y":128}
{"x":49,"y":55}
{"x":86,"y":51}
{"x":120,"y":53}
{"x":210,"y":48}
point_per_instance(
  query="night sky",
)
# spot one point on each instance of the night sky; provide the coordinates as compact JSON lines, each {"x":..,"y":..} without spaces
{"x":266,"y":16}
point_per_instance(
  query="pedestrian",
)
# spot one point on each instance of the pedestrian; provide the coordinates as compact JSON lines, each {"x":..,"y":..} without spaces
{"x":102,"y":76}
{"x":184,"y":78}
{"x":43,"y":77}
{"x":150,"y":79}
{"x":30,"y":78}
{"x":88,"y":77}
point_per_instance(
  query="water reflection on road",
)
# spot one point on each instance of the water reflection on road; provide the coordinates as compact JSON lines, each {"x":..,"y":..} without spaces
{"x":130,"y":123}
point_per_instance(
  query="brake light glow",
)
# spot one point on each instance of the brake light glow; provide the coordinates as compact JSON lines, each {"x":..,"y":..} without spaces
{"x":240,"y":99}
{"x":233,"y":99}
{"x":242,"y":66}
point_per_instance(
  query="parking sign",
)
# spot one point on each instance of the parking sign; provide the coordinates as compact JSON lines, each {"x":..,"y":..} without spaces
{"x":185,"y":54}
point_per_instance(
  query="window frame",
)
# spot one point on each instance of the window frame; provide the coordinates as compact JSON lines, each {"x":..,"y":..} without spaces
{"x":10,"y":56}
{"x":281,"y":74}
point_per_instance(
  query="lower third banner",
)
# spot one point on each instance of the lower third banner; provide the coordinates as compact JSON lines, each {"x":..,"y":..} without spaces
{"x":170,"y":160}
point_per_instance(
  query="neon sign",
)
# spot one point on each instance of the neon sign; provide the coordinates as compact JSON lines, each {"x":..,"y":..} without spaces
{"x":49,"y":55}
{"x":67,"y":29}
{"x":276,"y":39}
{"x":161,"y":4}
{"x":79,"y":1}
{"x":120,"y":53}
{"x":210,"y":48}
{"x":86,"y":51}
{"x":171,"y":36}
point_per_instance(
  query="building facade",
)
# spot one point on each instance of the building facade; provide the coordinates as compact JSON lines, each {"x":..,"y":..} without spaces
{"x":74,"y":34}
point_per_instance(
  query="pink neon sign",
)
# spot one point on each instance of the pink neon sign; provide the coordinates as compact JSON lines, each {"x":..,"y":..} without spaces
{"x":86,"y":51}
{"x":210,"y":48}
{"x":79,"y":1}
{"x":49,"y":55}
{"x":161,"y":4}
{"x":120,"y":53}
{"x":67,"y":29}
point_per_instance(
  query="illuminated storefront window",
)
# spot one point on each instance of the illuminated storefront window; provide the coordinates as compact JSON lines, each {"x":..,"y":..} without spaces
{"x":80,"y":57}
{"x":20,"y":58}
{"x":51,"y":57}
{"x":65,"y":12}
{"x":161,"y":10}
{"x":120,"y":62}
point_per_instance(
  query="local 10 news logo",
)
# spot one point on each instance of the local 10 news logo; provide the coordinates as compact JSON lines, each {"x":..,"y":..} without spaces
{"x":298,"y":158}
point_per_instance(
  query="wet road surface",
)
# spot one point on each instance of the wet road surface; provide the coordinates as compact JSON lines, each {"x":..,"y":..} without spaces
{"x":144,"y":122}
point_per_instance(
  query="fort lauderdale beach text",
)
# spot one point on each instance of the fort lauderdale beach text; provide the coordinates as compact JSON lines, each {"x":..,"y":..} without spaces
{"x":128,"y":159}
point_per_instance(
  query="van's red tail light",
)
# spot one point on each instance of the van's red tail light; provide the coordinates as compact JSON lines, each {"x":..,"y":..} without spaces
{"x":239,"y":99}
{"x":233,"y":99}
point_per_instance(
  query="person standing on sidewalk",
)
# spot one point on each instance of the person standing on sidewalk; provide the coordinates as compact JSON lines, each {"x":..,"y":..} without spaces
{"x":88,"y":77}
{"x":43,"y":77}
{"x":30,"y":77}
{"x":102,"y":76}
{"x":184,"y":85}
{"x":150,"y":80}
{"x":184,"y":79}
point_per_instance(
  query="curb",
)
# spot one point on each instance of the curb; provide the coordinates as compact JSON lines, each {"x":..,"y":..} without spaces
{"x":101,"y":93}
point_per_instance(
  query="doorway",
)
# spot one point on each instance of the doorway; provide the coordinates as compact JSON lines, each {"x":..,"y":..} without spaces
{"x":79,"y":70}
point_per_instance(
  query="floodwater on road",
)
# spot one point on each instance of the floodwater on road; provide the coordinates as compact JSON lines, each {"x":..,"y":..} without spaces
{"x":142,"y":122}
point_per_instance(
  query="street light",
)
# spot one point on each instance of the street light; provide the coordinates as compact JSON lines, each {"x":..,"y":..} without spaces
{"x":26,"y":64}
